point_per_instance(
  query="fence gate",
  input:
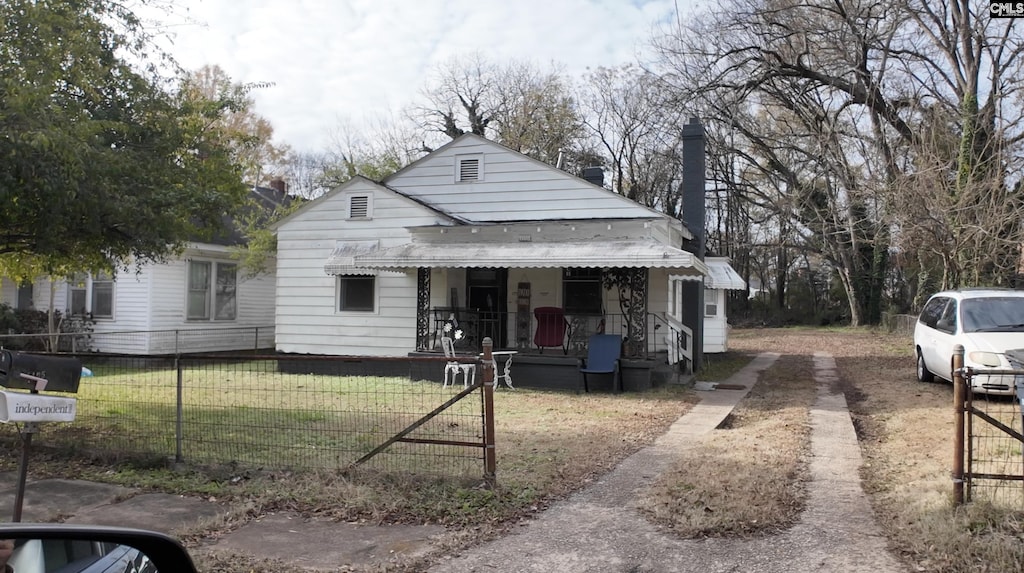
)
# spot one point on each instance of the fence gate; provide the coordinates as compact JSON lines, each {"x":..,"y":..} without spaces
{"x":487,"y":443}
{"x":988,"y":452}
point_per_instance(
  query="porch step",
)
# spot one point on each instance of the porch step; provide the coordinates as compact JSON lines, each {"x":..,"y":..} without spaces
{"x":663,"y":373}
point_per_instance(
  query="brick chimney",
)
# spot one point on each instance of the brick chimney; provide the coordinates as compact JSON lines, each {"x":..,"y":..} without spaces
{"x":693,"y":185}
{"x":692,"y":188}
{"x":278,"y":185}
{"x":594,"y":175}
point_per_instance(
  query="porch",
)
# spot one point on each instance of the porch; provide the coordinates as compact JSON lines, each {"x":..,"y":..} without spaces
{"x":664,"y":357}
{"x":536,"y":297}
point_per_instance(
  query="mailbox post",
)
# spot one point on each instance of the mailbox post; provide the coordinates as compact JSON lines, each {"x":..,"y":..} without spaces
{"x":35,"y":373}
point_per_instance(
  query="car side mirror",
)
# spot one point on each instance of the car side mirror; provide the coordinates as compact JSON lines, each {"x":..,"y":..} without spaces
{"x":944,"y":324}
{"x":90,"y":549}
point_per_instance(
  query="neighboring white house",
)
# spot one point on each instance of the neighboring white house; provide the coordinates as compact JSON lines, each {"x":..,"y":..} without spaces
{"x":481,"y":233}
{"x":199,"y":301}
{"x":722,"y":277}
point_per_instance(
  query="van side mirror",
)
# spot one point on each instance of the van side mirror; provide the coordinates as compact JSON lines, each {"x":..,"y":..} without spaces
{"x":91,"y":549}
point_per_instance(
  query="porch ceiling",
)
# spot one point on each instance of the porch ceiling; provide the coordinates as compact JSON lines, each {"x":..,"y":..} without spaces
{"x":599,"y":254}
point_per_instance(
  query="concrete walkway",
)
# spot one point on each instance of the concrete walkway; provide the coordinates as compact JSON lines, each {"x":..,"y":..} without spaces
{"x":599,"y":530}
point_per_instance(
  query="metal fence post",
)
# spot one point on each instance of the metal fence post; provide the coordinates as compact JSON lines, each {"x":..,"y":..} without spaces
{"x":959,"y":396}
{"x":179,"y":413}
{"x":490,"y":463}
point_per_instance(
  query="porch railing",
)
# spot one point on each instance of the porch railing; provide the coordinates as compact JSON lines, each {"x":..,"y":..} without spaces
{"x":659,"y":334}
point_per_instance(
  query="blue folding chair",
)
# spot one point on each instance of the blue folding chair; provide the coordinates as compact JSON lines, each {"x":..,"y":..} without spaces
{"x":603,"y":353}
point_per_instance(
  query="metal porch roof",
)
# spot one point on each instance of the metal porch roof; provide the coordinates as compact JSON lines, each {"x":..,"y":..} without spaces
{"x":619,"y":253}
{"x":721,"y":275}
{"x":342,"y":259}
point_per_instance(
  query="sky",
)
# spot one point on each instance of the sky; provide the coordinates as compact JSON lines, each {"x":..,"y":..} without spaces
{"x":338,"y":63}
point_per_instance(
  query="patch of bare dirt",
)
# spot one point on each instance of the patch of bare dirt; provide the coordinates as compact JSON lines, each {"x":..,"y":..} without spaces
{"x":905,"y":430}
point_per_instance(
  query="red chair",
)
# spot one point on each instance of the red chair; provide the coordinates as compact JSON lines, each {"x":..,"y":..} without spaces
{"x":551,"y":328}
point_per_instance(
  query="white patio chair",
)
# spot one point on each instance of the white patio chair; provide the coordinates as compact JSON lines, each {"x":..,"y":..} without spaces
{"x":454,"y":367}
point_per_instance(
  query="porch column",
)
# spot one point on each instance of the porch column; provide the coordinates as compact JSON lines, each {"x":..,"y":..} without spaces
{"x":422,"y":308}
{"x":637,"y":319}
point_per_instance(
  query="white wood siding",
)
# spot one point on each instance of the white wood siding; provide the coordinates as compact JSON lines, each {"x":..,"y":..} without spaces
{"x":513,"y":187}
{"x":175,"y":333}
{"x":40,"y":294}
{"x":125,"y":332}
{"x":149,"y":310}
{"x":716,"y":328}
{"x":307,"y":319}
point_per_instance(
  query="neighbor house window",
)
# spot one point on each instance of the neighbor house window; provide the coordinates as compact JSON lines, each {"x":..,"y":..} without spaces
{"x":581,"y":291}
{"x":25,"y":296}
{"x":102,"y":296}
{"x":91,"y":295}
{"x":710,"y":302}
{"x":356,"y":293}
{"x":469,"y":168}
{"x":212,"y":290}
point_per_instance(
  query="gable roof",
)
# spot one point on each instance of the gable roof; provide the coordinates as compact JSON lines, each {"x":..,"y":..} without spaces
{"x":515,"y":187}
{"x":345,"y":187}
{"x":231,"y":235}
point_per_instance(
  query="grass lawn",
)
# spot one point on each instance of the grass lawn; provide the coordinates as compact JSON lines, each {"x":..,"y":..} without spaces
{"x":548,"y":443}
{"x":551,"y":443}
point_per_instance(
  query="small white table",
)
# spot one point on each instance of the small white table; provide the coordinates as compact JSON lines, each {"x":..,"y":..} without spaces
{"x":506,"y":372}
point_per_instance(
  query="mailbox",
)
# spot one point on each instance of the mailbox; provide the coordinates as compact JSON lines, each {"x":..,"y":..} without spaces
{"x":25,"y":407}
{"x":25,"y":371}
{"x":33,"y":373}
{"x":38,"y":372}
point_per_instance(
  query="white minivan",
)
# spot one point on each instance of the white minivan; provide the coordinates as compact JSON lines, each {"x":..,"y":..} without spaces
{"x":987,"y":322}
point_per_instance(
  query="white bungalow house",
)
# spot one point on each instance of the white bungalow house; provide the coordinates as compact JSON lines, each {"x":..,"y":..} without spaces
{"x":199,"y":301}
{"x":721,"y":278}
{"x":480,"y":236}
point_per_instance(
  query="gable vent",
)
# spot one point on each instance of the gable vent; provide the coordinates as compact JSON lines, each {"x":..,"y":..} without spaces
{"x":469,"y":170}
{"x":359,"y":207}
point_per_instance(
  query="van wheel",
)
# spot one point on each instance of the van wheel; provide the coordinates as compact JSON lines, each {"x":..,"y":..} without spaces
{"x":923,"y":375}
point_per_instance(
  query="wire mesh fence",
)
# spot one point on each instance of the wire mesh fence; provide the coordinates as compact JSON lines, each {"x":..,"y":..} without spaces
{"x":989,"y":452}
{"x":277,"y":412}
{"x":995,"y":456}
{"x":146,"y":342}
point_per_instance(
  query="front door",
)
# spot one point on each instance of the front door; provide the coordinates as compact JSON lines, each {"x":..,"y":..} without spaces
{"x":486,"y":297}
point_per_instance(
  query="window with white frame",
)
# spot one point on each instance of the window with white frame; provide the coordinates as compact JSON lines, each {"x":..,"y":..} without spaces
{"x":710,"y":302}
{"x":91,"y":295}
{"x":212,"y":290}
{"x":357,"y":293}
{"x":469,"y":168}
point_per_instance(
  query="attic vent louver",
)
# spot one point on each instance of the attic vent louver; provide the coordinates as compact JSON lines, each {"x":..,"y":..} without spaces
{"x":359,"y":207}
{"x":469,"y":170}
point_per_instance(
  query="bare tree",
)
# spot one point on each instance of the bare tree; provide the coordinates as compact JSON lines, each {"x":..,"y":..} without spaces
{"x":536,"y":113}
{"x":868,"y":115}
{"x":638,"y":133}
{"x":461,"y":97}
{"x":516,"y":104}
